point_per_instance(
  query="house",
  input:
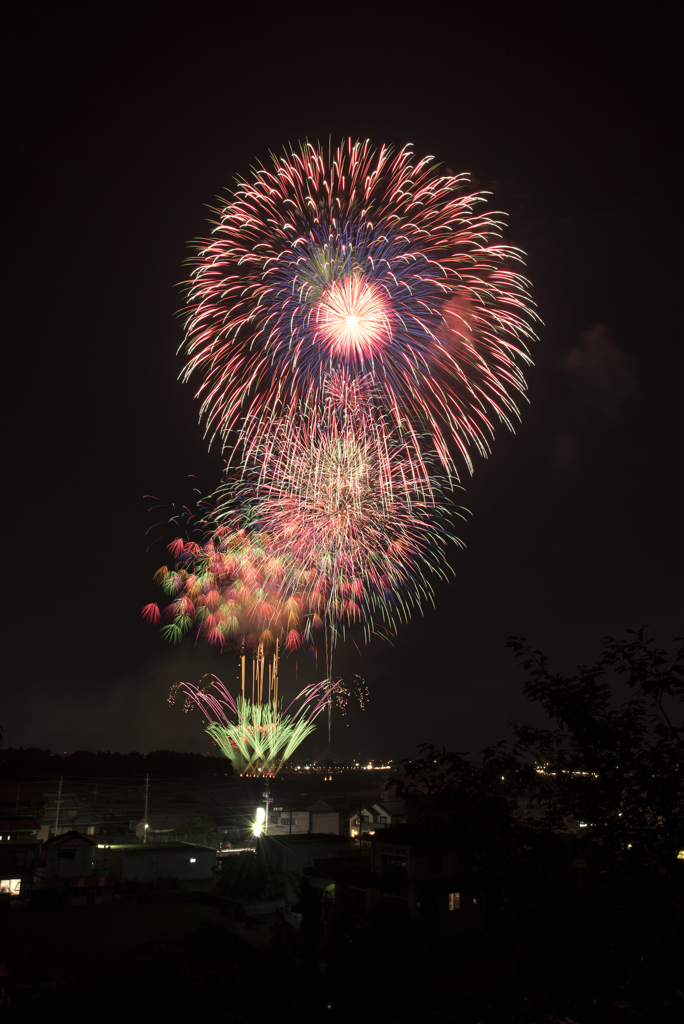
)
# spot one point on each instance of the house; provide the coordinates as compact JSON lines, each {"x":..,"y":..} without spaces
{"x":18,"y":827}
{"x":318,"y":817}
{"x":67,"y":855}
{"x":19,"y":853}
{"x":291,"y":855}
{"x":66,"y":813}
{"x":367,"y":819}
{"x":323,"y":818}
{"x":288,"y":820}
{"x":137,"y":862}
{"x":418,"y":876}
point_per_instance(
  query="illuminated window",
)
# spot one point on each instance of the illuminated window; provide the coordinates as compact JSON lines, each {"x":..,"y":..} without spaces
{"x":454,"y":901}
{"x":474,"y":901}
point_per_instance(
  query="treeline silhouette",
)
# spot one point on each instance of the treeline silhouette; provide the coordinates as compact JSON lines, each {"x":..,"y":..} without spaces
{"x":27,"y":761}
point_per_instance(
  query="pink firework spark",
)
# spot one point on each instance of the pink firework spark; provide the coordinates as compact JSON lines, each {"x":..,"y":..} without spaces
{"x":361,"y":263}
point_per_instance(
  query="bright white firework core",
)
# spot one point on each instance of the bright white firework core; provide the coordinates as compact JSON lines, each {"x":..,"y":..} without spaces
{"x":353,"y":318}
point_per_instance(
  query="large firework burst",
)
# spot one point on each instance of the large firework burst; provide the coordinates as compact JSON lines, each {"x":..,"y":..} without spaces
{"x":348,"y":510}
{"x":359,"y":262}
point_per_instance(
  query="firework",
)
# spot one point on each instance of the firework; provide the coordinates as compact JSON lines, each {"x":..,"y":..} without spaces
{"x":358,"y":263}
{"x":352,"y":516}
{"x":238,"y":593}
{"x":256,"y":737}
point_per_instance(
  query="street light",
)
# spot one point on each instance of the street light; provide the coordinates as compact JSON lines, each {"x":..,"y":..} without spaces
{"x":259,"y":823}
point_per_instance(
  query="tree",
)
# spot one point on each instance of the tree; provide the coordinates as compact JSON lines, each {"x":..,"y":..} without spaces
{"x":585,"y":905}
{"x":196,"y":830}
{"x":617,"y":769}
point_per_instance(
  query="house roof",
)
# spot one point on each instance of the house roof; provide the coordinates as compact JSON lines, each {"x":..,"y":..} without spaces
{"x":311,"y":839}
{"x":71,"y":839}
{"x":393,"y":807}
{"x":320,"y":805}
{"x":152,"y":849}
{"x":19,"y":824}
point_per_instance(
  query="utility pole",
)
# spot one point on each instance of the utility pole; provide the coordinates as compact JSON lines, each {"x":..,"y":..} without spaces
{"x":267,"y":800}
{"x":59,"y":802}
{"x":147,"y":791}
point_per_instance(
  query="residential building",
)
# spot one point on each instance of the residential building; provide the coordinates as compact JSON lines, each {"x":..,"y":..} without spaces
{"x":419,"y":876}
{"x":188,"y":862}
{"x":66,"y":813}
{"x":67,"y":855}
{"x":367,"y":819}
{"x":19,"y":853}
{"x":323,"y":818}
{"x":288,"y":820}
{"x":295,"y":855}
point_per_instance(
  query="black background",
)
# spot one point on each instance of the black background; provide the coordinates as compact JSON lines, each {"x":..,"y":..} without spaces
{"x":123,"y":124}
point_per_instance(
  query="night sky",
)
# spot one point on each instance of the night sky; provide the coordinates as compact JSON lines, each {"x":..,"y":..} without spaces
{"x":123,"y":129}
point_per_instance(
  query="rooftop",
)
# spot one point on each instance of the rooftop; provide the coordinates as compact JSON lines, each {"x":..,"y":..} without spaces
{"x":153,"y":849}
{"x":18,"y":824}
{"x":71,"y":839}
{"x":311,"y":839}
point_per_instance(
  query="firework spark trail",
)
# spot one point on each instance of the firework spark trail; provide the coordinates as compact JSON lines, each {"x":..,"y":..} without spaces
{"x":257,"y":738}
{"x":235,"y":590}
{"x":359,"y":262}
{"x":350,"y":511}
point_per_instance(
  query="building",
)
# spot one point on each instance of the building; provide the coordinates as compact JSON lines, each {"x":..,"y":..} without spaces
{"x":75,"y":856}
{"x":19,"y":853}
{"x":288,"y":820}
{"x":318,"y":817}
{"x":67,"y":855}
{"x":137,"y":862}
{"x":293,"y":855}
{"x":66,"y":813}
{"x":323,"y":818}
{"x":368,"y":818}
{"x":414,"y":874}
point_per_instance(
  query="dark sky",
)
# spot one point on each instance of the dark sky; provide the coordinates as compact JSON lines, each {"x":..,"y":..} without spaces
{"x":123,"y":126}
